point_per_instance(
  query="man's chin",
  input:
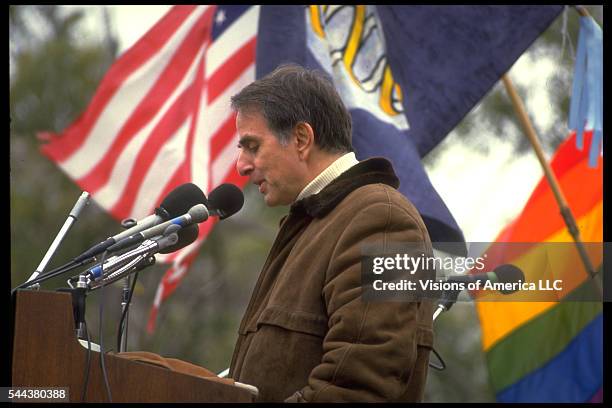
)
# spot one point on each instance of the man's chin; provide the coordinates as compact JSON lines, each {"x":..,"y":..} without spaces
{"x":273,"y":201}
{"x":270,"y":201}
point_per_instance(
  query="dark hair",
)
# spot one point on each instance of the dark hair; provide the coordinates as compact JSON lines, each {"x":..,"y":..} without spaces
{"x":292,"y":94}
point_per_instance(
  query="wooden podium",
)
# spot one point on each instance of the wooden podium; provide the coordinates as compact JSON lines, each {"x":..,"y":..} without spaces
{"x":46,"y":353}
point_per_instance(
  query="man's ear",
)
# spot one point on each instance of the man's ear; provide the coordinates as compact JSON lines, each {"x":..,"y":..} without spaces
{"x":304,"y":139}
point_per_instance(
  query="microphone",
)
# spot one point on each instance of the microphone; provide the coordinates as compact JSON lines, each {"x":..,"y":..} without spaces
{"x":186,"y":236}
{"x":225,"y":200}
{"x":196,"y":214}
{"x":82,"y":201}
{"x":140,"y":259}
{"x":177,"y":202}
{"x":171,"y":241}
{"x":147,"y":248}
{"x":506,"y":273}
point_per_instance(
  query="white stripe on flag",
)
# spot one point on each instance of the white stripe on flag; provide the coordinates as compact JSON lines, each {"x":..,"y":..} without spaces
{"x":112,"y":191}
{"x":200,"y":150}
{"x":121,"y":106}
{"x":168,"y":159}
{"x":225,"y":161}
{"x":178,"y":272}
{"x":233,"y":38}
{"x":219,"y":110}
{"x":158,"y":296}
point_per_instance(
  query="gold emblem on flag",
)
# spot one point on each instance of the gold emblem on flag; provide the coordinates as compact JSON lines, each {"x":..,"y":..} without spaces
{"x":355,"y":40}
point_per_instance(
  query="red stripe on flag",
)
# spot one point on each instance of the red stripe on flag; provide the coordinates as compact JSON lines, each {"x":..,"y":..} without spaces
{"x":183,"y":172}
{"x":176,"y":180}
{"x":72,"y":138}
{"x":172,"y":121}
{"x":231,"y":69}
{"x":150,"y":105}
{"x":223,"y":136}
{"x":199,"y":85}
{"x":571,"y":169}
{"x":567,"y":158}
{"x":152,"y":319}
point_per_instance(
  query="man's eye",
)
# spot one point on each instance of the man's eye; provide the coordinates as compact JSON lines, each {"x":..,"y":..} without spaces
{"x":250,"y":147}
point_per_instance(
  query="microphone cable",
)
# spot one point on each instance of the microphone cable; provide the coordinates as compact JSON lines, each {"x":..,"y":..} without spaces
{"x":52,"y":273}
{"x":88,"y":365}
{"x":124,"y":313}
{"x":101,"y":334}
{"x":442,"y":365}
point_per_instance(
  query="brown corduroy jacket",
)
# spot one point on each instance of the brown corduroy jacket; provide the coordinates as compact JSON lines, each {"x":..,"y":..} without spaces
{"x":307,"y":335}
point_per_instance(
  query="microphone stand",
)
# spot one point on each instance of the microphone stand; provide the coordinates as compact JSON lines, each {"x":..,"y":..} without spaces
{"x":439,"y":311}
{"x":138,"y":258}
{"x":79,"y":293}
{"x":125,"y":299}
{"x":85,"y":285}
{"x":82,"y":201}
{"x":446,"y":302}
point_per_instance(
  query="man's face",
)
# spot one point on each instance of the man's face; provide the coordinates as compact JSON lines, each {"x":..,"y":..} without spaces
{"x":276,"y":169}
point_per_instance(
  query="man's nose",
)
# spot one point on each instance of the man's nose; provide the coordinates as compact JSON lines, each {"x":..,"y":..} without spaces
{"x":244,"y":165}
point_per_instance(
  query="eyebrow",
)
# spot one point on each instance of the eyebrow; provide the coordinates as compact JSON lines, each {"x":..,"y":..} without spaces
{"x":246,"y":139}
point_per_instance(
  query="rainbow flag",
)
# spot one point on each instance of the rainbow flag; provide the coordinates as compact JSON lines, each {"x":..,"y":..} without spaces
{"x":551,"y":351}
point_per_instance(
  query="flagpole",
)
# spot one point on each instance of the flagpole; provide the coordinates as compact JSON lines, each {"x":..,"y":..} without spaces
{"x":566,"y":212}
{"x":582,"y":11}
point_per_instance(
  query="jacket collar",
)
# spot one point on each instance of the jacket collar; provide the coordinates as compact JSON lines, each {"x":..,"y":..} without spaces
{"x":370,"y":171}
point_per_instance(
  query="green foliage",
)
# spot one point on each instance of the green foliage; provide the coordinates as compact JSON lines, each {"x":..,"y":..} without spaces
{"x":53,"y":80}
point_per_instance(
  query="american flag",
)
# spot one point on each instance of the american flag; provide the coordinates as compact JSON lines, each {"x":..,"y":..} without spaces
{"x":161,"y":117}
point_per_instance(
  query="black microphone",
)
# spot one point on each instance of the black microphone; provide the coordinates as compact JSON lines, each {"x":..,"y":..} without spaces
{"x":506,"y":273}
{"x":186,"y":236}
{"x":176,"y":203}
{"x":225,"y":200}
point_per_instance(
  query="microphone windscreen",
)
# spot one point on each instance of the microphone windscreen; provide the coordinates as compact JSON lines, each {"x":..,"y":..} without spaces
{"x":227,"y":199}
{"x":180,"y":200}
{"x":186,"y":236}
{"x":508,"y":273}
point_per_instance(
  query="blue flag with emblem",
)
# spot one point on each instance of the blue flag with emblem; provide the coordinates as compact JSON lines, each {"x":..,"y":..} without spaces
{"x":408,"y":74}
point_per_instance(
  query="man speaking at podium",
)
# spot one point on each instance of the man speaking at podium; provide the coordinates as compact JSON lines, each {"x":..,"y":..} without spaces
{"x":307,"y":335}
